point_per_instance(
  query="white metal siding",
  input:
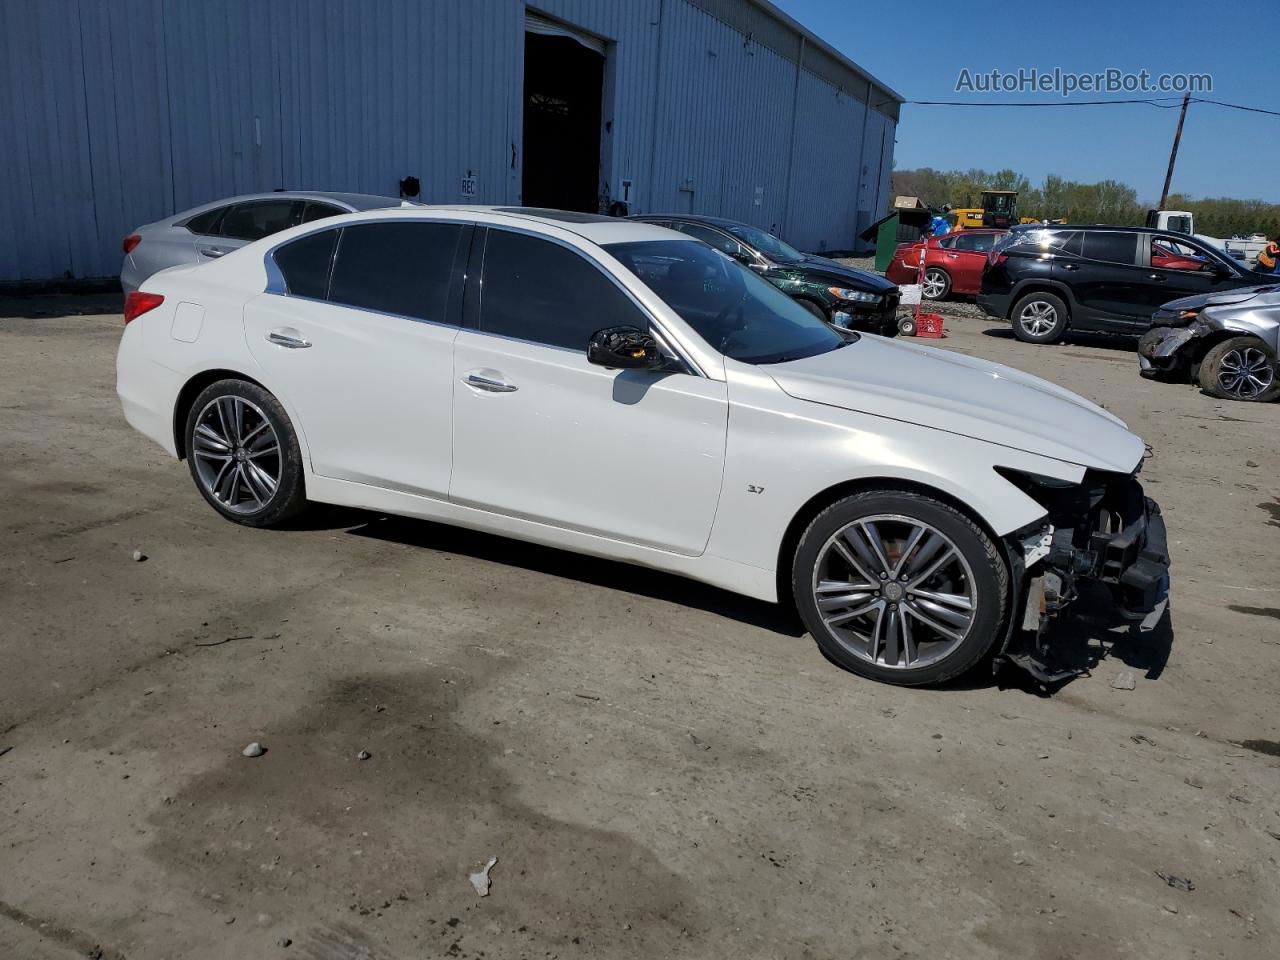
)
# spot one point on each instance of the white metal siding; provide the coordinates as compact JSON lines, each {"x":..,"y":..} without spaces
{"x":114,"y":115}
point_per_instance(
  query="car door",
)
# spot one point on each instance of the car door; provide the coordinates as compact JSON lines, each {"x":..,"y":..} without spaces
{"x":1179,"y":267}
{"x":356,"y":334}
{"x":1111,"y":289}
{"x":541,"y":434}
{"x":965,"y":259}
{"x":247,"y":221}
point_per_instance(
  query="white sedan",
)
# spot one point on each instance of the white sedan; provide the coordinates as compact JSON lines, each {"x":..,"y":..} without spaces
{"x":622,"y":390}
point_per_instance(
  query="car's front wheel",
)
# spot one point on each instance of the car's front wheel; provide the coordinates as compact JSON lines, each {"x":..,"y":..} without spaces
{"x":1241,"y":368}
{"x":1040,"y":318}
{"x":899,"y":587}
{"x":243,"y":454}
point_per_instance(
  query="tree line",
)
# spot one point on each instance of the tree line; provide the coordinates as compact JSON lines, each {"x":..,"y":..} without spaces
{"x":1107,"y":201}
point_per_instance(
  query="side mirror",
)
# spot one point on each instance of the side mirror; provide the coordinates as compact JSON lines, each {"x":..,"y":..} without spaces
{"x":623,"y":348}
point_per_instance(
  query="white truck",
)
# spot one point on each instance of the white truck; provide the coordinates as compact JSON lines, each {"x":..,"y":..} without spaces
{"x":1245,"y":249}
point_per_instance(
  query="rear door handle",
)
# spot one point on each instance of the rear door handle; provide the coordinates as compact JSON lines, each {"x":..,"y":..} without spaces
{"x":1071,"y":266}
{"x":1156,"y":277}
{"x":489,"y":384}
{"x":284,"y":339}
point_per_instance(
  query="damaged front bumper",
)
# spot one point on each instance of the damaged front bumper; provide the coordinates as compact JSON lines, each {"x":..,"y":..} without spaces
{"x":1158,"y":349}
{"x":1105,"y":531}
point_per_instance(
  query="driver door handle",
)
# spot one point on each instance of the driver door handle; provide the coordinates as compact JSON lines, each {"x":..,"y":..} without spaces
{"x":212,"y":252}
{"x":1156,"y":277}
{"x":489,"y":384}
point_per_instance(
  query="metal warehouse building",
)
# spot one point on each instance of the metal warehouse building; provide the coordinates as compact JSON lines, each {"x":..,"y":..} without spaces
{"x":114,"y":114}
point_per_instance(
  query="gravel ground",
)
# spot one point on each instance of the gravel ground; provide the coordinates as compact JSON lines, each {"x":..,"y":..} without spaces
{"x":662,"y":769}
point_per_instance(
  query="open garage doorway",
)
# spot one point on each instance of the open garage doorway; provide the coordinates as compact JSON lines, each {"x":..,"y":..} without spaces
{"x":563,"y":89}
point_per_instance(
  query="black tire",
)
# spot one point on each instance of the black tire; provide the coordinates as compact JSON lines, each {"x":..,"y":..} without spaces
{"x":1036,"y":306}
{"x":1219,"y":372}
{"x":982,"y":566}
{"x":245,"y":497}
{"x":907,"y":326}
{"x":940,"y":276}
{"x":813,"y":308}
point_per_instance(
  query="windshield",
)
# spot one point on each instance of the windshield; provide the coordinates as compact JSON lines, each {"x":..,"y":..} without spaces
{"x":738,"y":313}
{"x":766,"y":243}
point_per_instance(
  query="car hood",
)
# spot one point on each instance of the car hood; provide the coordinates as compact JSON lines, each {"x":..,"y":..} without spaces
{"x":837,"y":274}
{"x":963,"y":395}
{"x":1222,"y":298}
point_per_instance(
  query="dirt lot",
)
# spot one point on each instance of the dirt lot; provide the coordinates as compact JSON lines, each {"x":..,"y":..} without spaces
{"x":662,"y":769}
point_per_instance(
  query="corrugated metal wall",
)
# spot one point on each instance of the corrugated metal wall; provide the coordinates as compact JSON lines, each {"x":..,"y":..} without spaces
{"x":113,"y":115}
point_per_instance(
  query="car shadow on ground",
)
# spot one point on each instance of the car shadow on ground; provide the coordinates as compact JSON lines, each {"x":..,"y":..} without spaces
{"x":565,"y":564}
{"x":39,"y":306}
{"x":1121,"y":343}
{"x":1090,"y":633}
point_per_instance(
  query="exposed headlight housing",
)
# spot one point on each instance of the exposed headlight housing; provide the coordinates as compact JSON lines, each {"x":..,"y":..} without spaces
{"x":858,"y":296}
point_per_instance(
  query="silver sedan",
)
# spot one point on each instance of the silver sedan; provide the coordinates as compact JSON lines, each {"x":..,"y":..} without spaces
{"x":207,"y":232}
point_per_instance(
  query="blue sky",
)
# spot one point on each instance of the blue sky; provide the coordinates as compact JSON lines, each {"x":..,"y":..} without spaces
{"x":920,"y":48}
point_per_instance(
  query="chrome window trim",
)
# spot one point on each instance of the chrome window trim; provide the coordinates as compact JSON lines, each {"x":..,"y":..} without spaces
{"x":276,"y":284}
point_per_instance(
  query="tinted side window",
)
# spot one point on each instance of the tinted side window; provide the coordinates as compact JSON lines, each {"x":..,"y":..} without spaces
{"x":318,"y":211}
{"x":399,"y":268}
{"x":537,"y":290}
{"x":207,"y":222}
{"x":975,"y":242}
{"x":260,"y":218}
{"x":304,"y":263}
{"x":947,"y":243}
{"x":1112,"y":247}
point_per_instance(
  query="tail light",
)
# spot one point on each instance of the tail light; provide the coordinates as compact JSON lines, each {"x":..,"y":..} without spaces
{"x":138,"y":303}
{"x":131,"y":241}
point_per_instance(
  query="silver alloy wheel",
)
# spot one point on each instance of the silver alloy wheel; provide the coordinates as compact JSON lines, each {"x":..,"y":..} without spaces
{"x":1245,"y":372}
{"x":236,"y":454}
{"x":1038,"y":318}
{"x":894,"y":591}
{"x":934,"y":285}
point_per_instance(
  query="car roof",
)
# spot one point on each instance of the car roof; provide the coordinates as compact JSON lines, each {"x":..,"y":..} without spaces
{"x":600,"y":230}
{"x":1111,"y":227}
{"x":692,"y":218}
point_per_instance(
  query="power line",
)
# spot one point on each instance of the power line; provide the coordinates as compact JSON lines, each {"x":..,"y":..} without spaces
{"x":1236,"y":106}
{"x":1151,"y":101}
{"x":1148,"y":101}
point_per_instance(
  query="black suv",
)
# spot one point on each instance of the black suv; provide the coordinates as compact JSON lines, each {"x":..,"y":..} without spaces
{"x":1049,"y":279}
{"x":838,"y":294}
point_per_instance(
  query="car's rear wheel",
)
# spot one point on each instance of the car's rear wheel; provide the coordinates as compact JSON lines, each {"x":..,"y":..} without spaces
{"x":899,"y":587}
{"x":1241,"y":368}
{"x":936,"y":284}
{"x":243,"y":454}
{"x":1040,"y":318}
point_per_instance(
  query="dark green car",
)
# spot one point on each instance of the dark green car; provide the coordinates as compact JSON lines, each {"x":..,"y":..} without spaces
{"x":849,"y":298}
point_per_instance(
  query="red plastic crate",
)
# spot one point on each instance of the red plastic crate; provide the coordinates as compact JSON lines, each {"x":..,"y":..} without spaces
{"x":929,"y":325}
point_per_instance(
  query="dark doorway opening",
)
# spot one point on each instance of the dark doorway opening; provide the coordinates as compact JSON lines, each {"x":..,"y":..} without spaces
{"x":563,"y":87}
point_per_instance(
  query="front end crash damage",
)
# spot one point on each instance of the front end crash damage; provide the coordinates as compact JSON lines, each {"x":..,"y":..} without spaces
{"x":1103,"y":529}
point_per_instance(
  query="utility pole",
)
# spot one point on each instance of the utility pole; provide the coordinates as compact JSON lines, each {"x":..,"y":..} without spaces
{"x":1173,"y":154}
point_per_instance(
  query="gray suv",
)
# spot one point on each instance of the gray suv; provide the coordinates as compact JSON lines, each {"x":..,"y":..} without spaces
{"x":210,"y":231}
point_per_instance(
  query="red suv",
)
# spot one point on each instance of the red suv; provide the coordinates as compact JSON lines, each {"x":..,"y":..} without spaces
{"x":952,"y":263}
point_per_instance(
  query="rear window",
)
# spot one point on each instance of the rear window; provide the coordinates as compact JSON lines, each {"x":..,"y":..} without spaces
{"x":399,"y":268}
{"x":1111,"y":247}
{"x":304,"y":264}
{"x":207,"y":222}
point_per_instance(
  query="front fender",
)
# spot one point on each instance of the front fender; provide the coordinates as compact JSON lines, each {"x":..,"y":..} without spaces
{"x":782,"y":452}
